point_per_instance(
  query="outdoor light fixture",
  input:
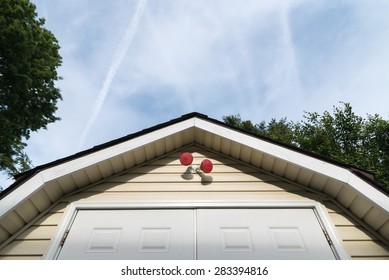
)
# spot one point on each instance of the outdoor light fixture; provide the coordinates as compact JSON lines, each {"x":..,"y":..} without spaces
{"x":206,"y":166}
{"x":186,"y":159}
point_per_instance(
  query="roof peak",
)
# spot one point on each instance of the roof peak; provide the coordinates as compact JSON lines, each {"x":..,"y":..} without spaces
{"x":194,"y":114}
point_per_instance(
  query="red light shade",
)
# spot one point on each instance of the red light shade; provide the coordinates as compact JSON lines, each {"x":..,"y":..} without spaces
{"x":186,"y":158}
{"x":206,"y":166}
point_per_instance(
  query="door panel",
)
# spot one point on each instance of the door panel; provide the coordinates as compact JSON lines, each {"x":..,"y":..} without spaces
{"x":130,"y":234}
{"x":260,"y":234}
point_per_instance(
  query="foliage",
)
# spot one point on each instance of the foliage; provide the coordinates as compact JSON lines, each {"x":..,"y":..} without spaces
{"x":337,"y":136}
{"x":340,"y":135}
{"x":279,"y":130}
{"x":29,"y":56}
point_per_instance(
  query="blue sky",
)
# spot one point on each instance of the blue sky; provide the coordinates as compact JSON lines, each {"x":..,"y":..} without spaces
{"x":131,"y":64}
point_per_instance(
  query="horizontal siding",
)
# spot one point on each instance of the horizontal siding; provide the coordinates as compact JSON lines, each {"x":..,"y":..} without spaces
{"x":353,"y":233}
{"x":221,"y":177}
{"x":370,"y":258}
{"x":165,"y":179}
{"x":25,"y":247}
{"x":339,"y":219}
{"x":177,"y":168}
{"x":190,"y":187}
{"x":37,"y":232}
{"x":21,"y":257}
{"x":365,"y":248}
{"x":50,"y":219}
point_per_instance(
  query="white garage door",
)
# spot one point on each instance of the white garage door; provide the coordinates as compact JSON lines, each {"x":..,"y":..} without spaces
{"x":196,"y":234}
{"x":130,"y":234}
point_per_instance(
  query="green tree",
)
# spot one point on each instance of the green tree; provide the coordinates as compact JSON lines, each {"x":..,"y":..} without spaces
{"x":236,"y":120}
{"x":340,"y":135}
{"x":281,"y":130}
{"x":29,"y":57}
{"x":337,"y":135}
{"x":375,"y":153}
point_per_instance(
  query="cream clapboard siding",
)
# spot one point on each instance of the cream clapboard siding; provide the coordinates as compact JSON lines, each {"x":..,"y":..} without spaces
{"x":165,"y":179}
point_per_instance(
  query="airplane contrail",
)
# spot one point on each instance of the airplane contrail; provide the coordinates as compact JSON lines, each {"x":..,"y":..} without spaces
{"x":117,"y":60}
{"x":292,"y":69}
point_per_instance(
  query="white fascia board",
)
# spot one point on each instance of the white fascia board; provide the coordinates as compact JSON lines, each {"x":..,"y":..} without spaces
{"x":110,"y":152}
{"x":300,"y":159}
{"x":277,"y":151}
{"x":374,"y":195}
{"x":18,"y":195}
{"x":37,"y":181}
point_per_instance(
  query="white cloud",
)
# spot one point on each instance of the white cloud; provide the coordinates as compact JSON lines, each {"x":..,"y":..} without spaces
{"x":261,"y":59}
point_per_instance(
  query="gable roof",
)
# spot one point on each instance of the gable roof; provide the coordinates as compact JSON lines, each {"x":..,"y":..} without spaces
{"x":35,"y":190}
